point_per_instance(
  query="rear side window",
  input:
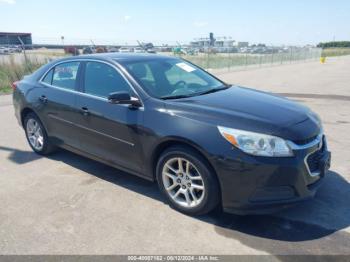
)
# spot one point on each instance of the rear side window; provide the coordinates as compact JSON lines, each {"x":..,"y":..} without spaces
{"x":48,"y":78}
{"x":102,"y":80}
{"x":65,"y":75}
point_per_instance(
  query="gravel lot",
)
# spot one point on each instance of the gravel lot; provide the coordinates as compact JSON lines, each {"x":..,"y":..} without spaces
{"x":67,"y":204}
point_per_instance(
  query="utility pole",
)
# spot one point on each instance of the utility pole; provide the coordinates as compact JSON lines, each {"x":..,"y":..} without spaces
{"x":24,"y":50}
{"x":93,"y":44}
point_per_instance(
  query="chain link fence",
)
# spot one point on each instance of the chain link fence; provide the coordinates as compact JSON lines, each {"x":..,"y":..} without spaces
{"x":17,"y":63}
{"x":239,"y":61}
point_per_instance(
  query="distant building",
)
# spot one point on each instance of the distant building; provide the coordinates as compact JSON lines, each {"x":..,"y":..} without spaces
{"x":200,"y":42}
{"x":219,"y":42}
{"x":224,"y":42}
{"x":14,"y":38}
{"x":241,"y":44}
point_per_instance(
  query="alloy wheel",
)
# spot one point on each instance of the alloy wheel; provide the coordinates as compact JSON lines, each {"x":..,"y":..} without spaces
{"x":183,"y":182}
{"x":35,"y":134}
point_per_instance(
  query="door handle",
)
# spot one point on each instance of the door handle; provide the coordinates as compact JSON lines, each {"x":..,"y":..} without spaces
{"x":85,"y":111}
{"x":43,"y":99}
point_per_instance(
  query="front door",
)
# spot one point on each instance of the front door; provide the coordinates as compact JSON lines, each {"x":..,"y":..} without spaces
{"x":108,"y":131}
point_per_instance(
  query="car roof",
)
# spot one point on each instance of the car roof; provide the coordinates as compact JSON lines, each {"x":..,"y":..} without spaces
{"x":107,"y":57}
{"x":120,"y":57}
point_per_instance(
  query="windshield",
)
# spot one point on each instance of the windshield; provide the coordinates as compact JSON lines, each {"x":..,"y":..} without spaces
{"x":172,"y":78}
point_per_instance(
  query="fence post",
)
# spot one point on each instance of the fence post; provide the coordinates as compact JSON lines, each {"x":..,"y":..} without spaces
{"x":208,"y":59}
{"x":272,"y":58}
{"x":229,"y":62}
{"x":260,"y":60}
{"x":282,"y":56}
{"x":24,"y":51}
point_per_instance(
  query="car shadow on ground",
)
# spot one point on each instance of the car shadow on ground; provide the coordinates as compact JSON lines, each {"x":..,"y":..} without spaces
{"x":311,"y":227}
{"x":20,"y":156}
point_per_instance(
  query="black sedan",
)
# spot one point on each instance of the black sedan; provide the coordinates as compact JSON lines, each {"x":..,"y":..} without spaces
{"x":205,"y":142}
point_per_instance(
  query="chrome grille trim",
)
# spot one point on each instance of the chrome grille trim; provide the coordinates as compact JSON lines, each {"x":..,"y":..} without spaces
{"x":313,"y":143}
{"x":317,"y":144}
{"x":313,"y":174}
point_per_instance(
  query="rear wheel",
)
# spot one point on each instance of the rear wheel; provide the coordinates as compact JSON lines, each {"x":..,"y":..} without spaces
{"x":187,"y":181}
{"x":36,"y":135}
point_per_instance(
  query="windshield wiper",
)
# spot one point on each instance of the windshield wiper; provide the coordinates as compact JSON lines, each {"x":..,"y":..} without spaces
{"x":197,"y":94}
{"x":175,"y":97}
{"x":214,"y":90}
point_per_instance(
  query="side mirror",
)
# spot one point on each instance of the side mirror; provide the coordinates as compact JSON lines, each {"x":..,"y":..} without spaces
{"x":123,"y":98}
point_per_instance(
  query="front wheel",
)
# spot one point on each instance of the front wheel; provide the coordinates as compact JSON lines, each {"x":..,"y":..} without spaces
{"x":187,"y":181}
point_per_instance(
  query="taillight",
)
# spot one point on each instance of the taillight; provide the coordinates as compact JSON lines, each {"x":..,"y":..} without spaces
{"x":14,"y":85}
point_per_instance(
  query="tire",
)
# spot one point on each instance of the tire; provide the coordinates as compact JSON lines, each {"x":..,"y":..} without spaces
{"x":199,"y":181}
{"x":44,"y":146}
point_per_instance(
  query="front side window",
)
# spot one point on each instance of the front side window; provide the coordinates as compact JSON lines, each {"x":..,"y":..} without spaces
{"x":65,"y":75}
{"x":172,"y":78}
{"x":102,"y":80}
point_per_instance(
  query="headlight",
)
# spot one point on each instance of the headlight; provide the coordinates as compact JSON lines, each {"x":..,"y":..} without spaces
{"x":255,"y":143}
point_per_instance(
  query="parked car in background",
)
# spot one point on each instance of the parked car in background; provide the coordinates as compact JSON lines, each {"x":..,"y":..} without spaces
{"x":4,"y":50}
{"x":149,"y":47}
{"x":139,"y":50}
{"x":15,"y":49}
{"x":125,"y":50}
{"x":89,"y":50}
{"x":71,"y":50}
{"x":205,"y":142}
{"x":151,"y":51}
{"x":101,"y":49}
{"x":18,"y":49}
{"x":11,"y":49}
{"x":112,"y":49}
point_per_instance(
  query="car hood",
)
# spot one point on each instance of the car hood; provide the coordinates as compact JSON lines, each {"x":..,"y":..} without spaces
{"x":252,"y":110}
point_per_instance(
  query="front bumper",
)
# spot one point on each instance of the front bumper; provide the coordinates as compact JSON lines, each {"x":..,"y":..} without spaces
{"x":257,"y":185}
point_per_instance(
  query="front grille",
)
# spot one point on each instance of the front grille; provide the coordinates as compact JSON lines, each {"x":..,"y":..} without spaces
{"x":313,"y":161}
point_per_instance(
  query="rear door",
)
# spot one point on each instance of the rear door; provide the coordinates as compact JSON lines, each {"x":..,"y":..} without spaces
{"x":58,"y":102}
{"x":108,"y":131}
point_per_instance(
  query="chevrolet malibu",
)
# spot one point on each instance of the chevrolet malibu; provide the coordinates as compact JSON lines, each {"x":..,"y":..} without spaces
{"x":206,"y":143}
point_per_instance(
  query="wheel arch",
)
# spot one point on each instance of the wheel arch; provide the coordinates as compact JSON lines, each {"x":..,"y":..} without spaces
{"x":25,"y":111}
{"x":177,"y":141}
